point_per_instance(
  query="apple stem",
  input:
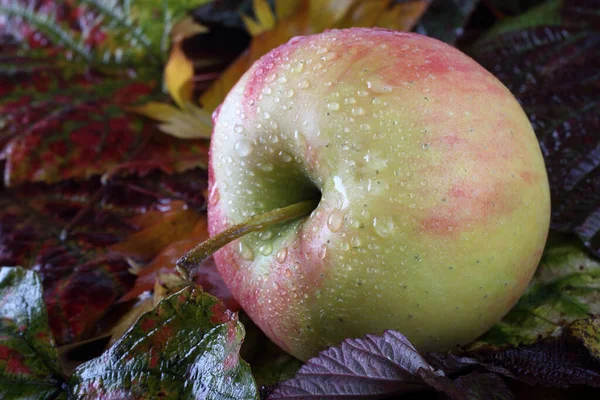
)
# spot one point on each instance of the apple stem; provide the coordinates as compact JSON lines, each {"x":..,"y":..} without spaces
{"x":187,"y":265}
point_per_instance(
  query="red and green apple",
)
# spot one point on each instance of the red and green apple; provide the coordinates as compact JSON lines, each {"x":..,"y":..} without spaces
{"x":433,"y":200}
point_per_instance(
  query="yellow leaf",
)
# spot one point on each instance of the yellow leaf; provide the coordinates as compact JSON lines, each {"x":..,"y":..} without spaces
{"x":265,"y":18}
{"x":287,"y":8}
{"x":179,"y":74}
{"x":326,"y":14}
{"x":254,"y":28}
{"x":186,"y":27}
{"x":264,"y":14}
{"x":190,"y":123}
{"x":364,"y":13}
{"x":402,"y":16}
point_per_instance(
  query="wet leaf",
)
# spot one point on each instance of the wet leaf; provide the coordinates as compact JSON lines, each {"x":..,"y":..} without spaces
{"x":563,"y":361}
{"x":71,"y":69}
{"x":81,"y":278}
{"x":29,"y":366}
{"x":186,"y":348}
{"x":375,"y":367}
{"x":146,"y":244}
{"x":311,"y":17}
{"x":162,"y":267}
{"x":552,"y":67}
{"x":566,"y":287}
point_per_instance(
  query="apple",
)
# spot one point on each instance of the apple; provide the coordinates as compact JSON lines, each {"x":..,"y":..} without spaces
{"x":432,"y":197}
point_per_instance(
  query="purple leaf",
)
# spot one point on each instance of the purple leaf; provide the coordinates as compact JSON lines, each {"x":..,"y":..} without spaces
{"x":375,"y":367}
{"x":556,"y":362}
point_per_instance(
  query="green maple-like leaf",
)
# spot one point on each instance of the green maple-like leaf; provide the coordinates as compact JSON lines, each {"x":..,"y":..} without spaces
{"x":185,"y":348}
{"x":29,"y":366}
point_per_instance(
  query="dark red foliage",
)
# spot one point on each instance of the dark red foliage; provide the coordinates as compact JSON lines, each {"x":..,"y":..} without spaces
{"x":81,"y":278}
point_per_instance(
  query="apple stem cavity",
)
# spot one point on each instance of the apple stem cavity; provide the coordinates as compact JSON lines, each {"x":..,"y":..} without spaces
{"x":187,"y":265}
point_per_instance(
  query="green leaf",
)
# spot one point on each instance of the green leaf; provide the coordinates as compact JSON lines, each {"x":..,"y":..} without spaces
{"x":588,"y":332}
{"x":544,"y":14}
{"x":566,"y":287}
{"x":187,"y":347}
{"x":29,"y":365}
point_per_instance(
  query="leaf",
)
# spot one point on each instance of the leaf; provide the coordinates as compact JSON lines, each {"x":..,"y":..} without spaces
{"x":162,"y":267}
{"x":445,"y":19}
{"x":29,"y":366}
{"x":189,"y":123}
{"x":71,"y":70}
{"x":146,"y":244}
{"x":559,"y":362}
{"x":311,"y":17}
{"x":566,"y":287}
{"x":63,"y":232}
{"x":179,"y":73}
{"x":552,"y":69}
{"x":588,"y":332}
{"x":374,"y":367}
{"x":98,"y":31}
{"x":186,"y":348}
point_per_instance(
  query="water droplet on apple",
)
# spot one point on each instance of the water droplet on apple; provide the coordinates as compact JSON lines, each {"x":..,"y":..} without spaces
{"x":267,"y":167}
{"x":266,"y":115}
{"x":282,"y":79}
{"x":298,"y":67}
{"x":322,"y":252}
{"x":289,"y":93}
{"x":362,"y":93}
{"x":285,"y":156}
{"x":265,"y":235}
{"x":335,"y":220}
{"x":384,"y":226}
{"x":358,"y":111}
{"x":267,"y":90}
{"x":243,"y":148}
{"x":349,"y":100}
{"x":365,"y":127}
{"x":238,"y":129}
{"x":287,"y":273}
{"x":245,"y":251}
{"x":317,"y":66}
{"x":274,"y":124}
{"x":266,"y":249}
{"x":304,"y":84}
{"x":377,"y":85}
{"x":322,"y":50}
{"x":355,"y":241}
{"x":333,"y":106}
{"x":345,"y":246}
{"x":282,"y":256}
{"x":425,"y":146}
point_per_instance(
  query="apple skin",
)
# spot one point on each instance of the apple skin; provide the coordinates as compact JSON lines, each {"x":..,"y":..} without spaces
{"x":435,"y":203}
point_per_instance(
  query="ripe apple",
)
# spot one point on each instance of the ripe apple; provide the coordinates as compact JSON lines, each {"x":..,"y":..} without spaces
{"x":434,"y":202}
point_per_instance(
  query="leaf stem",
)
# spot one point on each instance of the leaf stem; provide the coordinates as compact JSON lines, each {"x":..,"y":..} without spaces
{"x":189,"y":263}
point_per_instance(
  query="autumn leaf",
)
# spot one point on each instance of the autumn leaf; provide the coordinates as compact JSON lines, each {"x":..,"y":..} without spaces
{"x":29,"y":366}
{"x":66,"y":81}
{"x":188,"y":347}
{"x":63,"y":232}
